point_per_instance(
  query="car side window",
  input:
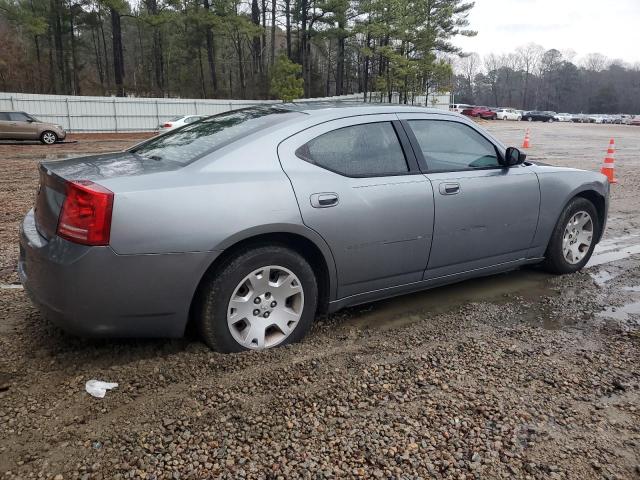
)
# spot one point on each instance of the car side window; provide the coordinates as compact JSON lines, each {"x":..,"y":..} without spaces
{"x":4,"y":116}
{"x":18,"y":117}
{"x":366,"y":150}
{"x":451,"y":146}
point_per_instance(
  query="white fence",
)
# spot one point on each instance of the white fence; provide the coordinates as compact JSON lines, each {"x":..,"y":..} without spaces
{"x":127,"y":114}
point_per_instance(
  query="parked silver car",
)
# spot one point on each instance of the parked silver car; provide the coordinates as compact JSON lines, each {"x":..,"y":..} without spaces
{"x":249,"y":222}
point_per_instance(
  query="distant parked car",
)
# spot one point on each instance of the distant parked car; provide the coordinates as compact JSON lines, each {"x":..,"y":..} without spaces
{"x":177,"y":122}
{"x":22,"y":126}
{"x":563,"y":117}
{"x":480,"y":112}
{"x":625,"y":119}
{"x":635,"y":121}
{"x":579,"y":118}
{"x":508,"y":114}
{"x":536,"y":116}
{"x":458,"y":107}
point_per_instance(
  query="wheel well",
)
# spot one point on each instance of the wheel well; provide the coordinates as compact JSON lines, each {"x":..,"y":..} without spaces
{"x":305,"y":247}
{"x":598,"y":202}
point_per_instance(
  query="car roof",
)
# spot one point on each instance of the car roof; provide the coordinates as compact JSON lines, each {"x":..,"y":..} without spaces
{"x":341,"y":109}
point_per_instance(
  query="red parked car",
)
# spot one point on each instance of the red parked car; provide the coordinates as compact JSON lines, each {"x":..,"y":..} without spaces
{"x":481,"y":112}
{"x":635,"y":121}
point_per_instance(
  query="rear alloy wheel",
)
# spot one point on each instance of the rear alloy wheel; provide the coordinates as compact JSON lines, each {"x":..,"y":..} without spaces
{"x":262,"y":298}
{"x":573,"y":238}
{"x":551,"y":120}
{"x":530,"y":119}
{"x":48,"y":138}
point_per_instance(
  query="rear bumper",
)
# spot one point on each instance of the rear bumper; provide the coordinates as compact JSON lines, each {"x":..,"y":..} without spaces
{"x":92,"y":291}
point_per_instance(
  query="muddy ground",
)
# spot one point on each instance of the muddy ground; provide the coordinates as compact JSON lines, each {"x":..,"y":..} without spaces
{"x":521,"y":375}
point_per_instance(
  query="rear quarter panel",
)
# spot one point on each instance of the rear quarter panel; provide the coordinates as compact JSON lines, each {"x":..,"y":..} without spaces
{"x":558,"y":186}
{"x":199,"y":206}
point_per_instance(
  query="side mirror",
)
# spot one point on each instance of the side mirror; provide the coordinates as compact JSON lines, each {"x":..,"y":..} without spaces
{"x":513,"y":157}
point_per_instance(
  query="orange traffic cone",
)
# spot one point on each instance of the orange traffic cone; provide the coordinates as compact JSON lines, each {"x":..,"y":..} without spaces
{"x":527,"y":142}
{"x":608,"y":164}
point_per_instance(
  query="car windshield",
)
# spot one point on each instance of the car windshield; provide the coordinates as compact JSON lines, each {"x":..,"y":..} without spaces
{"x":191,"y":142}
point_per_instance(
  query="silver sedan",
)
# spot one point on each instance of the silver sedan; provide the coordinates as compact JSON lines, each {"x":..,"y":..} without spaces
{"x":250,"y":222}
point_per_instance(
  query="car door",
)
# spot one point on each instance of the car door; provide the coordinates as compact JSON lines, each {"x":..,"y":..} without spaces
{"x":358,"y":185}
{"x":5,"y":127}
{"x":22,"y":127}
{"x":485,"y":215}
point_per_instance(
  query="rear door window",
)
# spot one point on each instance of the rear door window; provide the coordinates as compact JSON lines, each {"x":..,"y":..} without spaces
{"x":4,"y":116}
{"x":367,"y":150}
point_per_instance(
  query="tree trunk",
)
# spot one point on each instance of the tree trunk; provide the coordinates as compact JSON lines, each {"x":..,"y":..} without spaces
{"x":106,"y":52}
{"x":211,"y":53}
{"x":287,"y":14}
{"x":96,"y":51}
{"x":257,"y":45}
{"x":118,"y":59}
{"x":61,"y":85}
{"x":340,"y":60}
{"x":272,"y":56}
{"x":74,"y":56}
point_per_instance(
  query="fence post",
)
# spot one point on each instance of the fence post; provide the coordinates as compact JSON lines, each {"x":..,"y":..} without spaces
{"x":115,"y":115}
{"x":230,"y":106}
{"x":13,"y":106}
{"x":66,"y":101}
{"x":157,"y":113}
{"x":195,"y":105}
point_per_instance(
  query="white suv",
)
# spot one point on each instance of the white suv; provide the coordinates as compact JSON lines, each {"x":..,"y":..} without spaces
{"x":508,"y":114}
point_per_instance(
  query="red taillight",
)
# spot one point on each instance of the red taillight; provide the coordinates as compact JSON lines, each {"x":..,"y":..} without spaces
{"x":86,"y":213}
{"x":167,"y":125}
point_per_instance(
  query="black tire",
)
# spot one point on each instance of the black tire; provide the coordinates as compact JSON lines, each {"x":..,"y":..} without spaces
{"x":219,"y":286}
{"x":46,"y":137}
{"x":554,"y":259}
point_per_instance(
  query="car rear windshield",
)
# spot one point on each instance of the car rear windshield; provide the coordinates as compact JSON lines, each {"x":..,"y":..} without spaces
{"x":195,"y":140}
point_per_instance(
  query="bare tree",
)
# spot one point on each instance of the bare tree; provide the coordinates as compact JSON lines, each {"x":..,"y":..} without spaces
{"x":529,"y":57}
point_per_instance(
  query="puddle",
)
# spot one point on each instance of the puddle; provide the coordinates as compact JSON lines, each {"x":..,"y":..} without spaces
{"x":11,"y":286}
{"x":613,"y":255}
{"x":634,"y":288}
{"x":613,"y":249}
{"x":399,"y":311}
{"x":623,"y":312}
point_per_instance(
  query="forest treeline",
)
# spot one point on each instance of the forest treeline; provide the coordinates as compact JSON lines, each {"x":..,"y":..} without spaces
{"x":532,"y":78}
{"x":229,"y":48}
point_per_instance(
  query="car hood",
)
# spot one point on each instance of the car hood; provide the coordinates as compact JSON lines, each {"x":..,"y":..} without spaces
{"x":109,"y":165}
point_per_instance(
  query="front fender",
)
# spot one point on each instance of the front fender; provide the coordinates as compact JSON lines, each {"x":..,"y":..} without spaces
{"x":557,"y":187}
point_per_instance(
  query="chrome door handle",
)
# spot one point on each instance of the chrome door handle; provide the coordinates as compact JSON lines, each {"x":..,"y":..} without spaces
{"x":324,"y":200}
{"x":449,"y":188}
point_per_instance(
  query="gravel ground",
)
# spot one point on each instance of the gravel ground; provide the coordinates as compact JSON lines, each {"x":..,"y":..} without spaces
{"x":521,"y":375}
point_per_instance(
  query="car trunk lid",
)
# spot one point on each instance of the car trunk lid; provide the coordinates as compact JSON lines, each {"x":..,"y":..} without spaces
{"x":54,"y":177}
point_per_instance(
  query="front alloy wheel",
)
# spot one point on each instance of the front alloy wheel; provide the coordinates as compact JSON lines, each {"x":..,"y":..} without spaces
{"x":49,"y":138}
{"x":577,"y":238}
{"x":573,"y":238}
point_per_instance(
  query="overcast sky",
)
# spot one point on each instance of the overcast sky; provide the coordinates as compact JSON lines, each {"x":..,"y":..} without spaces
{"x":585,"y":26}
